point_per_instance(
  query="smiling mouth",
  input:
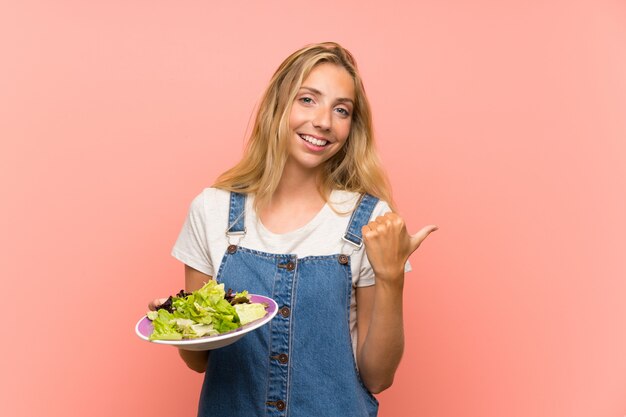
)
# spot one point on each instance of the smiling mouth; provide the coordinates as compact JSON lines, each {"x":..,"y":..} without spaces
{"x":314,"y":141}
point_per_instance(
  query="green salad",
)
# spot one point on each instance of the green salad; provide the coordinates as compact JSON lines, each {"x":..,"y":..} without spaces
{"x":208,"y":311}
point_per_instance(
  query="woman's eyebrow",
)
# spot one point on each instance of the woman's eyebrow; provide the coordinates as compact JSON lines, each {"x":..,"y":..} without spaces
{"x":319,"y":93}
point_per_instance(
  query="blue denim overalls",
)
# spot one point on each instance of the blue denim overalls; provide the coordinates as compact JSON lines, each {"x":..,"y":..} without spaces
{"x":301,"y":364}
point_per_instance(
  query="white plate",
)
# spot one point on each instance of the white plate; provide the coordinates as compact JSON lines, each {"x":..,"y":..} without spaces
{"x":144,"y":329}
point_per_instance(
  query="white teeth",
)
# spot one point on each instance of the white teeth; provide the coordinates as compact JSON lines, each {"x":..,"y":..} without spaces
{"x":314,"y":141}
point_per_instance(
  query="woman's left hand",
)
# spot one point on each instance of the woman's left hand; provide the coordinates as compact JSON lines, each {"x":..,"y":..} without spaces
{"x":388,"y":245}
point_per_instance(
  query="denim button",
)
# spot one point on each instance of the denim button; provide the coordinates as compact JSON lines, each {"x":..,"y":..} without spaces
{"x":282,"y":358}
{"x":289,"y":266}
{"x":285,"y":312}
{"x":280,"y":405}
{"x":343,"y":259}
{"x":232,"y":249}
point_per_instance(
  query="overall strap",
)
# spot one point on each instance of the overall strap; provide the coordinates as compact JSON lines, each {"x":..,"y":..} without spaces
{"x":236,"y":224}
{"x":360,"y":217}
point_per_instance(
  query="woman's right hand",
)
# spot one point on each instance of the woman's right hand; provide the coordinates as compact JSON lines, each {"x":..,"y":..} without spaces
{"x":154,"y":304}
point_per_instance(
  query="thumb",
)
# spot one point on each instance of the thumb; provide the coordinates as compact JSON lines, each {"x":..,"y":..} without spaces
{"x":417,"y":239}
{"x":156,"y":303}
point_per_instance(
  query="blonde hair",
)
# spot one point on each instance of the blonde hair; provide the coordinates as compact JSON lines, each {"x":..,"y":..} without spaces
{"x":356,"y":167}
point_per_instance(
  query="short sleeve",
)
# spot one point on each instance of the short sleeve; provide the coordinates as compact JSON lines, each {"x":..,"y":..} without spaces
{"x":366,"y":273}
{"x":192,"y":246}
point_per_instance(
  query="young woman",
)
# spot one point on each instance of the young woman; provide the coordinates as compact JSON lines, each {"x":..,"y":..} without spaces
{"x":304,"y":219}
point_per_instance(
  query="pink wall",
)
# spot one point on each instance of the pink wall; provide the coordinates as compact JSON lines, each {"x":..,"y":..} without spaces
{"x":502,"y":121}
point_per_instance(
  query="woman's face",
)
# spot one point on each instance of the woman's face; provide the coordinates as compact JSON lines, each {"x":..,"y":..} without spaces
{"x":321,"y":116}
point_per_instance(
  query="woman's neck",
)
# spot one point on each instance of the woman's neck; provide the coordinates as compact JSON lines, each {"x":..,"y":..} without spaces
{"x":298,"y":184}
{"x":294,"y":203}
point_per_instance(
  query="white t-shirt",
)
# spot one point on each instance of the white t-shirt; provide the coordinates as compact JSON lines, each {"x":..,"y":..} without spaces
{"x":202,"y":241}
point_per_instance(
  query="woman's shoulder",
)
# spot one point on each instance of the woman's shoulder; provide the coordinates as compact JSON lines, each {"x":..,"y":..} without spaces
{"x":343,"y":200}
{"x":213,"y":193}
{"x":211,"y":198}
{"x":346,"y":202}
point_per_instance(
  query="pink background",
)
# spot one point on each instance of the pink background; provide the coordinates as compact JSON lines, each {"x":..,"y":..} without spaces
{"x":504,"y":122}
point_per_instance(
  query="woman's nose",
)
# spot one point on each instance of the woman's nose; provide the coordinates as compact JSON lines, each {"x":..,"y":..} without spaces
{"x":323,"y":118}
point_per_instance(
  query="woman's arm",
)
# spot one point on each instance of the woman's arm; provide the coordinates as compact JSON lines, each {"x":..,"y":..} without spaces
{"x":380,"y":340}
{"x":195,"y":359}
{"x":380,"y":325}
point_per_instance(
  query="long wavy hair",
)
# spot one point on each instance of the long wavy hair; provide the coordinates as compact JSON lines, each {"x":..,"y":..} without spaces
{"x":355,"y":167}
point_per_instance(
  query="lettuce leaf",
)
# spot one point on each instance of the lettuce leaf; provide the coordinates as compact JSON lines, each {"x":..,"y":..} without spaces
{"x":204,"y":312}
{"x":249,"y":312}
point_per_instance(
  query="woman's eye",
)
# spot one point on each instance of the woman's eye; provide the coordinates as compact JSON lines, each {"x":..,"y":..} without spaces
{"x":306,"y":100}
{"x":343,"y":111}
